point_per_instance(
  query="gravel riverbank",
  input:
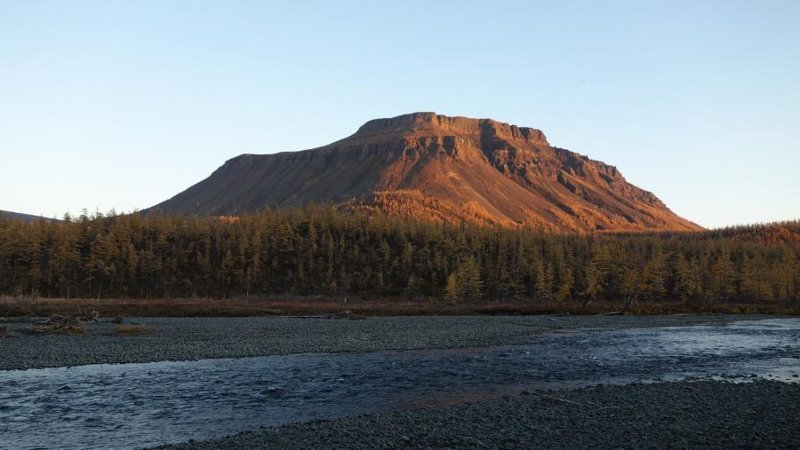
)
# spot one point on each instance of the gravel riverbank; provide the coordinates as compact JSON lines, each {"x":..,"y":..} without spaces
{"x":181,"y":339}
{"x":459,"y":398}
{"x":706,"y":414}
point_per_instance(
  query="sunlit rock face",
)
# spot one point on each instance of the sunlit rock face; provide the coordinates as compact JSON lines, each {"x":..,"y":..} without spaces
{"x":439,"y":168}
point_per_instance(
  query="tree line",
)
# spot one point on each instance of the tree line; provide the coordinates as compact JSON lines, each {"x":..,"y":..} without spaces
{"x":321,"y":251}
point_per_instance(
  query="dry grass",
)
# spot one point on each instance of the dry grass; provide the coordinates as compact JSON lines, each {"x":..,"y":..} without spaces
{"x":206,"y":307}
{"x":71,"y":329}
{"x":56,"y":329}
{"x":131,"y":329}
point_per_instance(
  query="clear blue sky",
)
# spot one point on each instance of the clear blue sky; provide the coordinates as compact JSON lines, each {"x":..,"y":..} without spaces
{"x":125,"y":103}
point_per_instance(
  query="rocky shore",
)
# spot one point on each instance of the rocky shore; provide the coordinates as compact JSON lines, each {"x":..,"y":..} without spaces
{"x":703,"y":414}
{"x":684,"y":414}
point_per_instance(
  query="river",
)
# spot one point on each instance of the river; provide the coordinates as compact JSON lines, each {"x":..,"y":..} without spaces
{"x":137,"y":405}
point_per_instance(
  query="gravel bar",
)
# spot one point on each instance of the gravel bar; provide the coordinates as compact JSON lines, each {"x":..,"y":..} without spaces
{"x":182,"y":339}
{"x":703,"y":414}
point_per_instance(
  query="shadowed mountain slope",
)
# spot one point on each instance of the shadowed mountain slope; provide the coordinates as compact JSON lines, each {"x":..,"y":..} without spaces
{"x":434,"y":167}
{"x":23,"y":217}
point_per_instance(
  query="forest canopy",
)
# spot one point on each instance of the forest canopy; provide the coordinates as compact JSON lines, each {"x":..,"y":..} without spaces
{"x":321,"y":251}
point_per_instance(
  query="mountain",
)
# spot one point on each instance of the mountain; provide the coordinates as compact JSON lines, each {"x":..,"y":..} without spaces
{"x":22,"y":217}
{"x":436,"y":167}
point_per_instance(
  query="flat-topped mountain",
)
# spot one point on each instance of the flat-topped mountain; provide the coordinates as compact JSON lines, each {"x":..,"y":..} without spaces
{"x":434,"y":167}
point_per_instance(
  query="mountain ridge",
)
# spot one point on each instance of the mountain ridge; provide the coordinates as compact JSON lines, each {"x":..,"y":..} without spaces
{"x":24,"y":217}
{"x":480,"y":170}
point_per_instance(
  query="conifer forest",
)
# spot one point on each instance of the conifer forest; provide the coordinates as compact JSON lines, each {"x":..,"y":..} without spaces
{"x":321,"y":251}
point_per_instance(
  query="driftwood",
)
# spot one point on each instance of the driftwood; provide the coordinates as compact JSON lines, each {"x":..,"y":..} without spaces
{"x":339,"y":315}
{"x":58,"y":319}
{"x":57,"y":323}
{"x":347,"y":315}
{"x":55,"y":320}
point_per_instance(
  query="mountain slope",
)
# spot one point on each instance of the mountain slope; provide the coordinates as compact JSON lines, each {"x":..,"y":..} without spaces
{"x":22,"y":217}
{"x":436,"y":167}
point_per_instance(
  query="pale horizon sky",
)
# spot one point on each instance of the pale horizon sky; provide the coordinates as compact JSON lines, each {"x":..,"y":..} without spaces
{"x":120,"y":104}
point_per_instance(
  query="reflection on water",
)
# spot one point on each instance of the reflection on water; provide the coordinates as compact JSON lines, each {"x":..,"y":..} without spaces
{"x":134,"y":405}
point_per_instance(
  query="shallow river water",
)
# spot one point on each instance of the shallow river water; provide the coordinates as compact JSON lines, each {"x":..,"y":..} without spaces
{"x":139,"y":405}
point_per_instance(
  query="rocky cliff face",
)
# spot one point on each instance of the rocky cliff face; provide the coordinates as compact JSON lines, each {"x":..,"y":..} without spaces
{"x":435,"y":167}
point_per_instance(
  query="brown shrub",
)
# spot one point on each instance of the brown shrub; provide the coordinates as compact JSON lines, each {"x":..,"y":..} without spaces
{"x":133,"y":329}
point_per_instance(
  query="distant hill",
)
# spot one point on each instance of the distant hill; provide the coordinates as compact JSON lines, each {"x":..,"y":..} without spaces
{"x":433,"y":167}
{"x":786,"y":232}
{"x":22,"y":217}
